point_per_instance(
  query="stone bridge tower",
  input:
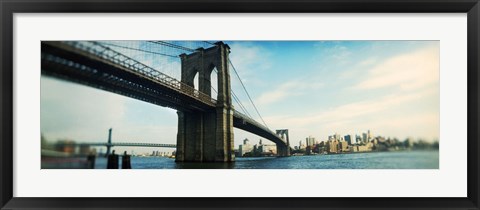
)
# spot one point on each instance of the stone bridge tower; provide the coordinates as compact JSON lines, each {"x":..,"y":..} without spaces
{"x":283,"y":150}
{"x":207,"y":136}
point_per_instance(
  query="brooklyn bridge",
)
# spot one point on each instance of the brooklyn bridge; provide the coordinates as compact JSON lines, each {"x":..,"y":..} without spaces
{"x":206,"y":113}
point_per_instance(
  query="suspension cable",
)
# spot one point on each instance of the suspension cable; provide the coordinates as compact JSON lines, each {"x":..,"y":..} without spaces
{"x":176,"y":46}
{"x":131,"y":48}
{"x":247,"y":92}
{"x":235,"y":97}
{"x":167,"y":44}
{"x":209,"y":42}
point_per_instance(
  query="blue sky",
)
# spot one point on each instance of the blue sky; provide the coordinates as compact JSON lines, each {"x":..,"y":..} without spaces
{"x":312,"y":88}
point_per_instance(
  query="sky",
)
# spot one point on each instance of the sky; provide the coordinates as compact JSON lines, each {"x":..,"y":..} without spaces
{"x":312,"y":88}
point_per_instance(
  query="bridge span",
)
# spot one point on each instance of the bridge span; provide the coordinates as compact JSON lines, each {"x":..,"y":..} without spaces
{"x":124,"y":144}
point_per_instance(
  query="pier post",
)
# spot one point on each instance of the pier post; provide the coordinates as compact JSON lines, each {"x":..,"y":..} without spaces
{"x":126,"y":164}
{"x":112,"y":162}
{"x":91,"y":161}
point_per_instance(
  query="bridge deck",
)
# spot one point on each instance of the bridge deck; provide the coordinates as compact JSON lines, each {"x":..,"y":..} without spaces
{"x":121,"y":144}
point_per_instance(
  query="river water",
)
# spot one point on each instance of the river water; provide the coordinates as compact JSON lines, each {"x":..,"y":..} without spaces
{"x":373,"y":160}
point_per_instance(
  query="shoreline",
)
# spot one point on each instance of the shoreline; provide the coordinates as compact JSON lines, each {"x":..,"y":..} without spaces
{"x":345,"y":153}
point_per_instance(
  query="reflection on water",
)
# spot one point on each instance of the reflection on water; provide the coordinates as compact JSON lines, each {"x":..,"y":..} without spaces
{"x":375,"y":160}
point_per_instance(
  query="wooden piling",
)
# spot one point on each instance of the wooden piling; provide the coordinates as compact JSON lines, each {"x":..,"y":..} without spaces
{"x":112,"y":161}
{"x":126,"y":161}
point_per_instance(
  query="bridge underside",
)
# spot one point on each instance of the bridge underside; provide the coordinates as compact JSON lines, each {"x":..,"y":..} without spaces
{"x":67,"y":63}
{"x":282,"y":148}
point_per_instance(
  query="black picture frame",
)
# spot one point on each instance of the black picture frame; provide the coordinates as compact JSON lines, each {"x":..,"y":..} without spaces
{"x":10,"y":7}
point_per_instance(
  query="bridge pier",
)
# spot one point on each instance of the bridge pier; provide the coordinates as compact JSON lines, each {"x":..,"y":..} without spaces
{"x":207,"y":136}
{"x":109,"y":142}
{"x":283,"y":150}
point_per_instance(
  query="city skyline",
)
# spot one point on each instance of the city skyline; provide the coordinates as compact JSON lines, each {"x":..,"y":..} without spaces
{"x":310,"y":88}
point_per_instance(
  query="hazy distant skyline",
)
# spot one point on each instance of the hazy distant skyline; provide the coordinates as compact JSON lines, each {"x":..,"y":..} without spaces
{"x":312,"y":88}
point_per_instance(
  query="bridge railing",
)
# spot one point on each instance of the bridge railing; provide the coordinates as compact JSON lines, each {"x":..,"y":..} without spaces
{"x":118,"y":144}
{"x":111,"y":55}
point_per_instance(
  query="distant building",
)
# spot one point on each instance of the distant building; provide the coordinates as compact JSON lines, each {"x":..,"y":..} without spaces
{"x":364,"y":137}
{"x":301,"y":145}
{"x":267,"y":149}
{"x":335,"y":136}
{"x":66,"y":146}
{"x":85,"y":149}
{"x":359,"y":148}
{"x":348,"y":138}
{"x":310,"y":141}
{"x":369,"y":146}
{"x":342,"y":146}
{"x":245,"y":147}
{"x":358,"y":139}
{"x":332,"y":146}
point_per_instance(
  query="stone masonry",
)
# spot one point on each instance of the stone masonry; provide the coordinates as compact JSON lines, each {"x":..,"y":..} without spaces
{"x":207,"y":136}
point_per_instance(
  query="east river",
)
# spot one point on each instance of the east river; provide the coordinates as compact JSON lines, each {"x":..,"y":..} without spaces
{"x":373,"y":160}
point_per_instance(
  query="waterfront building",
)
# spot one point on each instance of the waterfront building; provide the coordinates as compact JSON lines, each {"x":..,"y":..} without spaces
{"x":85,"y":149}
{"x":408,"y":143}
{"x":301,"y":145}
{"x":369,"y":146}
{"x":322,"y":150}
{"x":267,"y":149}
{"x":66,"y":146}
{"x":359,"y":148}
{"x":245,"y":147}
{"x":260,"y":149}
{"x":353,"y":148}
{"x":332,"y":146}
{"x":342,"y":146}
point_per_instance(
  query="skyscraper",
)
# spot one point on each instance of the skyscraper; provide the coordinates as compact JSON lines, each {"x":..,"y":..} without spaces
{"x":310,"y":141}
{"x":358,"y":139}
{"x":348,"y":138}
{"x":245,"y":148}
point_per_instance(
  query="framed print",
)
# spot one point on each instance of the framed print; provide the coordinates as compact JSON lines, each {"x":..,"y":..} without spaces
{"x":239,"y":105}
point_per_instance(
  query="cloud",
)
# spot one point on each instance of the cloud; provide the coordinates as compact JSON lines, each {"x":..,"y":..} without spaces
{"x":407,"y":71}
{"x":360,"y":114}
{"x":249,"y":58}
{"x":368,"y":61}
{"x":290,"y":88}
{"x":334,"y":50}
{"x":72,"y":111}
